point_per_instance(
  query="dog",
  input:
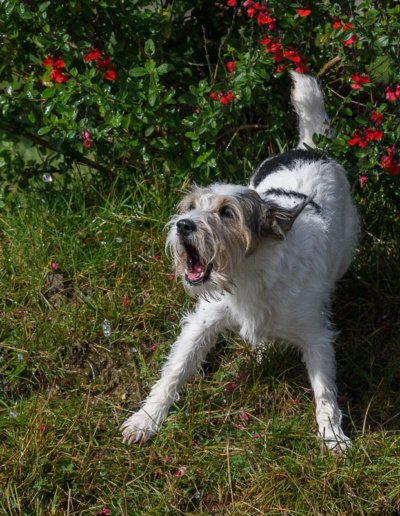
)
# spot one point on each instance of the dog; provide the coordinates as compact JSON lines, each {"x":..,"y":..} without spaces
{"x":263,"y":260}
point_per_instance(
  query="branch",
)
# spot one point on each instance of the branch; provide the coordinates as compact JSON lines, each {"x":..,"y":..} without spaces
{"x":240,"y":127}
{"x":44,"y":143}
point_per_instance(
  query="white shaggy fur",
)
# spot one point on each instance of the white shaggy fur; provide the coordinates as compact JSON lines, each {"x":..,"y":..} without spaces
{"x":276,"y":282}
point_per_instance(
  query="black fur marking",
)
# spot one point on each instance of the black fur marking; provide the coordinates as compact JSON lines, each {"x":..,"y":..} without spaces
{"x":285,"y":160}
{"x":291,"y":193}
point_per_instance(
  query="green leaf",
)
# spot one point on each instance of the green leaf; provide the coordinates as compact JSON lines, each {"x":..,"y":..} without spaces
{"x":139,"y":71}
{"x":165,"y":68}
{"x":44,"y":130}
{"x":149,"y":47}
{"x":188,"y":98}
{"x":48,"y":107}
{"x":150,"y":66}
{"x":48,"y":93}
{"x":149,"y":130}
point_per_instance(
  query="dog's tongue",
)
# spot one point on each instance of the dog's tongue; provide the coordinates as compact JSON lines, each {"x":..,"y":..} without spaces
{"x":195,"y":272}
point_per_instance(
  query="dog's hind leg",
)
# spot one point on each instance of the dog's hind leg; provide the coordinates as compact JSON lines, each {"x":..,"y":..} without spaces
{"x":199,"y":333}
{"x":319,"y":357}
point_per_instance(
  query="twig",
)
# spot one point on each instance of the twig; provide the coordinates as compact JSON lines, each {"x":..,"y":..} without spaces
{"x":224,"y":41}
{"x":248,"y":126}
{"x":328,"y":65}
{"x":44,"y":143}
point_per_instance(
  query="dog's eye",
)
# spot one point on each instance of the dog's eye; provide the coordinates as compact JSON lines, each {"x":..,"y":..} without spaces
{"x":191,"y":206}
{"x":226,"y":212}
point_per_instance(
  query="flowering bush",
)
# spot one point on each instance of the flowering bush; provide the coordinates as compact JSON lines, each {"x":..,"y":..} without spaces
{"x":200,"y":91}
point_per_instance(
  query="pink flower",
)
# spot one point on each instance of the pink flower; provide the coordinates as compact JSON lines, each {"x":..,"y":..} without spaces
{"x":87,"y":141}
{"x":54,"y":265}
{"x":363,"y":180}
{"x":125,"y":301}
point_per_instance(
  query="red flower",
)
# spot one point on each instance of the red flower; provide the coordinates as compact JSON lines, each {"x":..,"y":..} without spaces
{"x":390,"y":163}
{"x":280,"y":68}
{"x":226,"y":98}
{"x":231,"y":67}
{"x":264,"y":41}
{"x":292,"y":55}
{"x":390,"y":95}
{"x":49,"y":61}
{"x":302,"y":66}
{"x":232,"y":3}
{"x":358,"y":80}
{"x":262,"y":19}
{"x":303,"y":12}
{"x":214,"y":96}
{"x":58,"y":76}
{"x":105,"y":66}
{"x":357,"y":138}
{"x":376,"y":117}
{"x":348,"y":26}
{"x":370,"y":134}
{"x":57,"y":73}
{"x":93,"y":54}
{"x":125,"y":301}
{"x":251,"y":12}
{"x":273,"y":46}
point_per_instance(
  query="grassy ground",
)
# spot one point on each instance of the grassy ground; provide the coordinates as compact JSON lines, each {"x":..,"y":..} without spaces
{"x":241,"y":440}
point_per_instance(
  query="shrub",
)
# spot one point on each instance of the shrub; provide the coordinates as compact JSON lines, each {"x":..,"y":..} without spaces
{"x":175,"y":92}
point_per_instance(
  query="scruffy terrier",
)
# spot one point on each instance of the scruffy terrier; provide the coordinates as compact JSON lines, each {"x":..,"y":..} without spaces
{"x":263,"y":260}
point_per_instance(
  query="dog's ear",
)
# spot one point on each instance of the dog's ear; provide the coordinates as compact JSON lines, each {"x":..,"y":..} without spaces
{"x":277,"y":220}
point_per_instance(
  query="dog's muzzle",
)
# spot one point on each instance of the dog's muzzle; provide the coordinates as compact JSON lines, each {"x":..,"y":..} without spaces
{"x":196,"y":270}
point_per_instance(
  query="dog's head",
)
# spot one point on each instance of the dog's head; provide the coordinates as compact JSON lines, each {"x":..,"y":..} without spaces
{"x":217,"y":228}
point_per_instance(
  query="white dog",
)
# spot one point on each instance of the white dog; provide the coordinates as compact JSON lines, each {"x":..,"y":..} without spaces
{"x":263,"y":260}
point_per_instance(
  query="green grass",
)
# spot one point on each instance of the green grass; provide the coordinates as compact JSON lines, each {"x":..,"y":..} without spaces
{"x":246,"y":449}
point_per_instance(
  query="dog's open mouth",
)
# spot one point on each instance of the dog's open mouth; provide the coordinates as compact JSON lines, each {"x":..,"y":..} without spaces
{"x":196,"y":271}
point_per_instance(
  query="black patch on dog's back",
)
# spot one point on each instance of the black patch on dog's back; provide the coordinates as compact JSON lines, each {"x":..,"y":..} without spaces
{"x":291,"y":193}
{"x":285,"y":160}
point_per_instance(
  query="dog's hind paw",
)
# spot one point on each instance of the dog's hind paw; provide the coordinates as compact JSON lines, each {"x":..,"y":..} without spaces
{"x":140,"y":427}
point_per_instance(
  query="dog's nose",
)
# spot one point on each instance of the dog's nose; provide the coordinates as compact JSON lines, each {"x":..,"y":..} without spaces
{"x":185,"y":227}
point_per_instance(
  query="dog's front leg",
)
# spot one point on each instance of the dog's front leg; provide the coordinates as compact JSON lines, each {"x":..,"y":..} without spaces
{"x":199,"y":333}
{"x":319,"y":357}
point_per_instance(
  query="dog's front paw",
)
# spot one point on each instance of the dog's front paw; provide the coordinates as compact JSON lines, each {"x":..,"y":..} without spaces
{"x":142,"y":426}
{"x":336,"y":443}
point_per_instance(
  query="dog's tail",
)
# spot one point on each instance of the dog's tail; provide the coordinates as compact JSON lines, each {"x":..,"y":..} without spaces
{"x":308,"y":101}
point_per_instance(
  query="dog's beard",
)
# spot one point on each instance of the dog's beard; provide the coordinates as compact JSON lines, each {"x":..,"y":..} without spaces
{"x":206,"y":259}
